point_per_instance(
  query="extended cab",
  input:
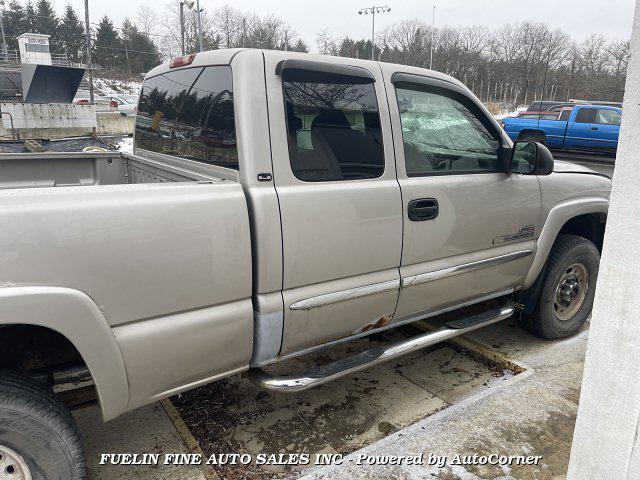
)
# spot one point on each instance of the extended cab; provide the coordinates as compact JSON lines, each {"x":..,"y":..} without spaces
{"x":582,"y":127}
{"x":276,"y":203}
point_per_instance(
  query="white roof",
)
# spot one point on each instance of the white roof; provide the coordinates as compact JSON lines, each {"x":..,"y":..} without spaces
{"x":33,"y":35}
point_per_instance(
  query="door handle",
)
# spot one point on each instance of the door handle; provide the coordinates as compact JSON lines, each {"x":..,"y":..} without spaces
{"x":594,"y":128}
{"x":423,"y":209}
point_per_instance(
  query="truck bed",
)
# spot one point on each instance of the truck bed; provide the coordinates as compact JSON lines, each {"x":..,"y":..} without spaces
{"x":56,"y":169}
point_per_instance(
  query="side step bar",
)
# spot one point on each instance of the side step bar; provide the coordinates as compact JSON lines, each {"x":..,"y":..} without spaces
{"x":373,"y":356}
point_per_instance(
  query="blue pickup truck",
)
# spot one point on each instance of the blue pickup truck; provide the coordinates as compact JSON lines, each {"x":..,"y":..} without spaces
{"x":583,"y":127}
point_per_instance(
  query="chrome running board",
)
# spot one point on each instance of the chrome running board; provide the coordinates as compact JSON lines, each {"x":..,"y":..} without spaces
{"x":382,"y":353}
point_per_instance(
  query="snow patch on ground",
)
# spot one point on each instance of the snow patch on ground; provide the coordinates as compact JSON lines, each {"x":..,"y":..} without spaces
{"x":113,"y":87}
{"x":512,"y":113}
{"x":125,"y":145}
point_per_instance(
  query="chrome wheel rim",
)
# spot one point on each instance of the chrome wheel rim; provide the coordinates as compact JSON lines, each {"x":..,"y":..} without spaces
{"x":12,"y":465}
{"x":571,"y":291}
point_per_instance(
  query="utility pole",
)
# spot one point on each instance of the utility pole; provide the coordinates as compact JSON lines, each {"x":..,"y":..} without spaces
{"x":189,"y":4}
{"x":244,"y":30}
{"x":89,"y":63}
{"x":373,"y":10}
{"x":433,"y":32}
{"x":4,"y":40}
{"x":182,"y":29}
{"x":126,"y":51}
{"x":200,"y":48}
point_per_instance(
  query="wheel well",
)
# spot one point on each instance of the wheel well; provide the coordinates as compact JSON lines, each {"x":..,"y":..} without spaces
{"x":523,"y":133}
{"x":29,"y":347}
{"x":589,"y":226}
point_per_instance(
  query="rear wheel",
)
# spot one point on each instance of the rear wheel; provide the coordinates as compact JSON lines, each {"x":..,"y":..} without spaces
{"x":39,"y":439}
{"x":568,"y":288}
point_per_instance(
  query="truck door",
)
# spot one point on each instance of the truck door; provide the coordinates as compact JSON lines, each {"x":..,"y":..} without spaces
{"x":340,"y":204}
{"x":469,"y":226}
{"x":579,"y":129}
{"x":605,"y":129}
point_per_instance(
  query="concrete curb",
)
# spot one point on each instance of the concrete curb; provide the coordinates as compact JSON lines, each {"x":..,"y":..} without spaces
{"x":192,"y":444}
{"x":521,"y":370}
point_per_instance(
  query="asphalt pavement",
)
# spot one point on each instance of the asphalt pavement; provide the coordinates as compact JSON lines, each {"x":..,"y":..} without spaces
{"x":599,"y":163}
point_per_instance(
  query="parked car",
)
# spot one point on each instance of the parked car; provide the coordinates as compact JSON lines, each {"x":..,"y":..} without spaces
{"x":561,"y":106}
{"x":583,"y":127}
{"x":536,"y":115}
{"x":191,"y":260}
{"x":126,"y":104}
{"x":541,"y":105}
{"x":606,"y":103}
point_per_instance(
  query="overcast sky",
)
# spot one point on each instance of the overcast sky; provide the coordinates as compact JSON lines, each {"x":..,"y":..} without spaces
{"x":579,"y":18}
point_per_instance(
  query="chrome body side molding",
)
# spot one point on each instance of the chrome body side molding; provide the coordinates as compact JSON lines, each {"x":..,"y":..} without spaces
{"x":463,"y":268}
{"x":378,"y":354}
{"x":397,"y":322}
{"x":343,"y":295}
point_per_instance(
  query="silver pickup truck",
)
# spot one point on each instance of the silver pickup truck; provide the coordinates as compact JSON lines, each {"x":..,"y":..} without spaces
{"x":276,"y":203}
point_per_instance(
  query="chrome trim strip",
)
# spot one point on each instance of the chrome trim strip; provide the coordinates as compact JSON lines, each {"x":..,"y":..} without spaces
{"x":344,"y":295}
{"x":463,"y":268}
{"x":373,"y":356}
{"x":399,"y":322}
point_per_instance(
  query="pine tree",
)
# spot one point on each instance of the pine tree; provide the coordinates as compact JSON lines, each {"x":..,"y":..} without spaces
{"x":108,"y":48}
{"x":30,"y":18}
{"x":14,"y":23}
{"x":141,"y":53}
{"x":47,"y":23}
{"x":71,"y":34}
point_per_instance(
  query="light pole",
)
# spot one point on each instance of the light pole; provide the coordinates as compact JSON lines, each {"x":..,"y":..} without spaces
{"x":87,"y":31}
{"x":189,"y":4}
{"x":199,"y":25}
{"x":433,"y":31}
{"x":4,"y":40}
{"x":373,"y":10}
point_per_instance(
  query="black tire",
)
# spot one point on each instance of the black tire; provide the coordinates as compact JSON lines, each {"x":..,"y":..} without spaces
{"x":567,"y":251}
{"x":36,"y":426}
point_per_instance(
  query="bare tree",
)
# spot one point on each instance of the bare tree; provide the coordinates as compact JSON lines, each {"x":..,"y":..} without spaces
{"x":516,"y":63}
{"x":146,"y":20}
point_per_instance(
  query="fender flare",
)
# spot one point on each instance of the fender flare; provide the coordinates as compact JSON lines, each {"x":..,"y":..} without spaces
{"x":557,"y":217}
{"x":76,"y":316}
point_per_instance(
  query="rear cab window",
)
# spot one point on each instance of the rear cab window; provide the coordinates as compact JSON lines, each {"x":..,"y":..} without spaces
{"x":189,"y":114}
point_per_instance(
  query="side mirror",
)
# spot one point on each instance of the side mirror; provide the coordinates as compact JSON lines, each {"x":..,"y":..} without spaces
{"x":531,"y":158}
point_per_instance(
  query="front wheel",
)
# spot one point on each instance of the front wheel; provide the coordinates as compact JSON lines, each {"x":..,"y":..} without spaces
{"x":568,"y":288}
{"x":39,"y":439}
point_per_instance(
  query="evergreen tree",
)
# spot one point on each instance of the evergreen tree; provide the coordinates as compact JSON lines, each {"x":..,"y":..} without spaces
{"x":14,"y":23}
{"x":141,"y":53}
{"x":108,"y":48}
{"x":47,"y":23}
{"x":71,"y":34}
{"x":30,"y":18}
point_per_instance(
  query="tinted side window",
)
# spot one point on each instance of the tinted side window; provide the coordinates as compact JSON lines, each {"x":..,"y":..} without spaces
{"x":565,"y":114}
{"x":333,"y":127}
{"x":608,"y":117}
{"x":586,"y":115}
{"x":189,"y":114}
{"x":442,"y":134}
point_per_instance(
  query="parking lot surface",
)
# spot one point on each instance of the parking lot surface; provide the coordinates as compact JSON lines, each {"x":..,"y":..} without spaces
{"x":442,"y":401}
